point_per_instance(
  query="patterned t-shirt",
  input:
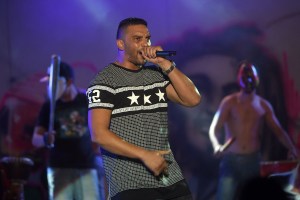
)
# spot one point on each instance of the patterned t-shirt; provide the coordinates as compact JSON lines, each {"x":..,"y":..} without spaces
{"x":138,"y":102}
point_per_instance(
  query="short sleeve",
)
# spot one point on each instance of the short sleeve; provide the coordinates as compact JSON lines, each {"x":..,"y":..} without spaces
{"x":43,"y":118}
{"x":101,"y":92}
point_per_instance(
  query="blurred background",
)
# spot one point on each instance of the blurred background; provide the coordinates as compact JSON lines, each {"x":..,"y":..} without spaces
{"x":210,"y":37}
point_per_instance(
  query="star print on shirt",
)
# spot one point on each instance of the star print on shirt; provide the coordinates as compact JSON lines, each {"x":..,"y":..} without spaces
{"x":160,"y":95}
{"x":133,"y":99}
{"x":147,"y":99}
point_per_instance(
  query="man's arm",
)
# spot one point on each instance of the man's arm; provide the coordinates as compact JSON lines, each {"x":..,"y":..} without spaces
{"x":41,"y":137}
{"x":182,"y":90}
{"x":276,"y":127}
{"x":99,"y":120}
{"x":218,"y":121}
{"x":38,"y":136}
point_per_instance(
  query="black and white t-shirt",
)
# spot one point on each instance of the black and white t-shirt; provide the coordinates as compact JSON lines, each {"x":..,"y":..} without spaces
{"x":138,"y":102}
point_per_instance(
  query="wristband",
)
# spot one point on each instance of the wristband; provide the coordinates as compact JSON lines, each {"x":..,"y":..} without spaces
{"x":46,"y":142}
{"x":171,"y":68}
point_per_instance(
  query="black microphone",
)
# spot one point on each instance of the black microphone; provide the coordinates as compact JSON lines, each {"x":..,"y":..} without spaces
{"x":165,"y":53}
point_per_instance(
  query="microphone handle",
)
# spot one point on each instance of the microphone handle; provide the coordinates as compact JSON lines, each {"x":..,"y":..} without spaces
{"x":165,"y":53}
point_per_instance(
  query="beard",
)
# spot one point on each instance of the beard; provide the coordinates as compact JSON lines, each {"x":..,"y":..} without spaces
{"x":137,"y":59}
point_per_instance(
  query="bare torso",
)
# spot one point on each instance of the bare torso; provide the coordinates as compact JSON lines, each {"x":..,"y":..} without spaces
{"x":245,"y":118}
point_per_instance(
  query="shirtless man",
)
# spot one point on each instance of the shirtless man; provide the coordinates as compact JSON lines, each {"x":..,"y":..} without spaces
{"x":242,"y":114}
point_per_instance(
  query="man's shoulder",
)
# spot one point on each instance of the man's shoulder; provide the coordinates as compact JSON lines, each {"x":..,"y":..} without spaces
{"x":106,"y":70}
{"x":260,"y":98}
{"x":231,"y":98}
{"x":229,"y":101}
{"x":264,"y":103}
{"x":104,"y":76}
{"x":81,"y":94}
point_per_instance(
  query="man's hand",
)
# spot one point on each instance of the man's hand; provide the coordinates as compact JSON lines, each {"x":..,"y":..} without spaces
{"x":149,"y":54}
{"x":218,"y":151}
{"x":49,"y":138}
{"x":155,"y":161}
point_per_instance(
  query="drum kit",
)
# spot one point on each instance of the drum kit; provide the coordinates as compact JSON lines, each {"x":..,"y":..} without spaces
{"x":285,"y":172}
{"x":16,"y":172}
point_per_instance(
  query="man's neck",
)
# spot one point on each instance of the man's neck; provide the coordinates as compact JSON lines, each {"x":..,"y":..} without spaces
{"x":243,"y":96}
{"x":128,"y":65}
{"x":70,"y":94}
{"x":124,"y":62}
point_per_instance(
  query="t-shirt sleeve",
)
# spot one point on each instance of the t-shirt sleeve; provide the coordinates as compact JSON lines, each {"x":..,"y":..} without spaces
{"x":101,"y":92}
{"x":43,"y":118}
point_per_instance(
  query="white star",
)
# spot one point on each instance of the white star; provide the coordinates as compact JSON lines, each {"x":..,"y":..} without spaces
{"x":146,"y":99}
{"x":133,"y":99}
{"x":160,"y":95}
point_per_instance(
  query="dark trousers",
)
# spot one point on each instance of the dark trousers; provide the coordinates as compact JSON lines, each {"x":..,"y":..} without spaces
{"x":177,"y":191}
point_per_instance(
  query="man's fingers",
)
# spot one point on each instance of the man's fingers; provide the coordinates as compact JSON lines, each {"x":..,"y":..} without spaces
{"x":162,"y":168}
{"x":166,"y":171}
{"x":164,"y":152}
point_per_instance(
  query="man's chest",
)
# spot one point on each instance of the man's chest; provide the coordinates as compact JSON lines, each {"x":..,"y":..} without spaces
{"x":250,"y":111}
{"x":140,"y":95}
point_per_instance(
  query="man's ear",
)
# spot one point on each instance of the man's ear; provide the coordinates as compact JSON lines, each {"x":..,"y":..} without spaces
{"x":120,"y":44}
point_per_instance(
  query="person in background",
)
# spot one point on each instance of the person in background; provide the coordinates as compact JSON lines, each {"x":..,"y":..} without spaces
{"x":71,"y":167}
{"x":242,"y":115}
{"x":128,"y":103}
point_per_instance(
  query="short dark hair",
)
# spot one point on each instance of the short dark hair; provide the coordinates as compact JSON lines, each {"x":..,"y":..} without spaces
{"x":65,"y":70}
{"x":128,"y":22}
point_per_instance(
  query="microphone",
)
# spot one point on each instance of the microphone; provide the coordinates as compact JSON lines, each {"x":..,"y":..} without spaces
{"x":165,"y":53}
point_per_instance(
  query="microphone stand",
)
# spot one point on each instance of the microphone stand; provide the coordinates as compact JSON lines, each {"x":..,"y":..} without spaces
{"x":54,"y":74}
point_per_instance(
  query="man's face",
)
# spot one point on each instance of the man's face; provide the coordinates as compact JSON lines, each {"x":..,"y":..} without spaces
{"x":60,"y":88}
{"x":248,"y":78}
{"x":135,"y":38}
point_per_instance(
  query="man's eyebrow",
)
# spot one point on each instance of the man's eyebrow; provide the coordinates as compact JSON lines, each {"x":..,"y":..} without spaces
{"x":138,"y":34}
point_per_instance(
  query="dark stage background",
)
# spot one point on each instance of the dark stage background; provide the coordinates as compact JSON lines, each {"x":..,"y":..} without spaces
{"x":210,"y":38}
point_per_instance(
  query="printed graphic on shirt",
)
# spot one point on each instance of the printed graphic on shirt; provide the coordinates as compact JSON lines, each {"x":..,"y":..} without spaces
{"x":128,"y":99}
{"x":72,"y":124}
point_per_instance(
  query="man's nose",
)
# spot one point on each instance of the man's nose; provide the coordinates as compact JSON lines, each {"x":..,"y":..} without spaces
{"x":145,"y":43}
